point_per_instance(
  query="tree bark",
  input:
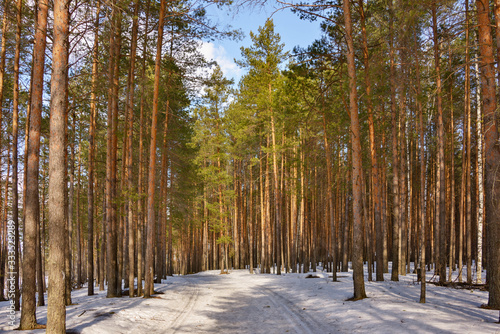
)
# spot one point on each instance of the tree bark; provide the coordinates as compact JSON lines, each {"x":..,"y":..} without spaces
{"x":441,"y":182}
{"x":395,"y":160}
{"x":15,"y":134}
{"x":32,"y":209}
{"x":56,"y":311}
{"x":376,"y":194}
{"x":130,"y":186}
{"x":492,"y":151}
{"x":357,"y":260}
{"x":91,"y":158}
{"x":149,"y":285}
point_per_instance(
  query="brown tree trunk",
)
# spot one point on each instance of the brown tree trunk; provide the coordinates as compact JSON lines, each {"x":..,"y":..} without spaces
{"x":376,"y":193}
{"x":357,"y":260}
{"x":78,"y":226}
{"x":130,"y":106}
{"x":15,"y":129}
{"x":149,"y":285}
{"x":3,"y":248}
{"x":396,"y":222}
{"x":111,"y":217}
{"x":56,"y":311}
{"x":421,"y":252}
{"x":440,"y":183}
{"x":32,"y":209}
{"x":492,"y":152}
{"x":91,"y":162}
{"x":140,"y":201}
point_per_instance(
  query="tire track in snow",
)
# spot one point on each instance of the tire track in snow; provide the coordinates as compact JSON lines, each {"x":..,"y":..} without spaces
{"x":185,"y":311}
{"x":304,"y":322}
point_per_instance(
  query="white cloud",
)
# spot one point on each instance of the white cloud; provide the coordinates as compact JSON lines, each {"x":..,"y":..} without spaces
{"x":219,"y":54}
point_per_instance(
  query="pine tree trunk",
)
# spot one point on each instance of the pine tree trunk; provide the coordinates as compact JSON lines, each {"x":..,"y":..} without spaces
{"x":15,"y":134}
{"x":91,"y":157}
{"x":140,"y":201}
{"x":3,"y":43}
{"x":130,"y":184}
{"x":149,"y":285}
{"x":78,"y":226}
{"x":441,"y":182}
{"x":56,"y":311}
{"x":357,"y":260}
{"x":492,"y":152}
{"x":376,"y":193}
{"x":396,"y":221}
{"x":32,"y":209}
{"x":421,"y":252}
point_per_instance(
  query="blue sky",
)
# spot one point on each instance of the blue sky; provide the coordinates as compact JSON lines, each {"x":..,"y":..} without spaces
{"x":289,"y":26}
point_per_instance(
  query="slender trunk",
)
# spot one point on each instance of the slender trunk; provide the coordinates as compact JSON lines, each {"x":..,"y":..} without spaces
{"x":421,"y":252}
{"x":149,"y":285}
{"x":357,"y":260}
{"x":376,"y":194}
{"x":91,"y":158}
{"x":56,"y":311}
{"x":491,"y":150}
{"x":140,"y":201}
{"x":130,"y":186}
{"x":111,"y":224}
{"x":395,"y":160}
{"x":3,"y":50}
{"x":480,"y":182}
{"x":78,"y":226}
{"x":117,"y":218}
{"x":277,"y":212}
{"x":3,"y":249}
{"x":32,"y":208}
{"x":440,"y":183}
{"x":15,"y":134}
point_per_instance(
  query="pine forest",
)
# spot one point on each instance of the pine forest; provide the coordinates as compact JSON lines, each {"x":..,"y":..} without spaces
{"x":129,"y":159}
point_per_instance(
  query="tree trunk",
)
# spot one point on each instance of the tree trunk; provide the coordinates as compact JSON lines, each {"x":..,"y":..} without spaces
{"x":492,"y":152}
{"x":395,"y":160}
{"x":376,"y":194}
{"x":130,"y":186}
{"x":149,"y":285}
{"x":357,"y":260}
{"x":480,"y":181}
{"x":56,"y":311}
{"x":15,"y":134}
{"x":421,"y":252}
{"x":32,"y":209}
{"x":91,"y":162}
{"x":140,"y":201}
{"x":440,"y":183}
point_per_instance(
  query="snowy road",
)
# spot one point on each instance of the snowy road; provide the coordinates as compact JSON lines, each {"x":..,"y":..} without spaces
{"x":252,"y":304}
{"x":210,"y":303}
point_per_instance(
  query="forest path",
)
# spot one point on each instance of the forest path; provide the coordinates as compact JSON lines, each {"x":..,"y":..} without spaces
{"x":239,"y":302}
{"x":236,"y":303}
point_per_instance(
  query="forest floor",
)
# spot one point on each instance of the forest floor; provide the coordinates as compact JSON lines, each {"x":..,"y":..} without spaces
{"x":291,"y":303}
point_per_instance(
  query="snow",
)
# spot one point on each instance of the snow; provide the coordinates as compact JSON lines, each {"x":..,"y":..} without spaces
{"x":239,"y":302}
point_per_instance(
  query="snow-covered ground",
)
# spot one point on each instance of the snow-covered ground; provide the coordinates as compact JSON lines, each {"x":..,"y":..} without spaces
{"x":242,"y":303}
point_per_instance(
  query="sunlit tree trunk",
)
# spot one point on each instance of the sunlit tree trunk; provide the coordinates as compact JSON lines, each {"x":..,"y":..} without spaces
{"x":440,"y":183}
{"x":149,"y":285}
{"x":492,"y":152}
{"x":91,"y":158}
{"x":56,"y":310}
{"x":395,"y":159}
{"x":130,"y":183}
{"x":32,"y":208}
{"x":15,"y":134}
{"x":357,"y":260}
{"x":421,"y":252}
